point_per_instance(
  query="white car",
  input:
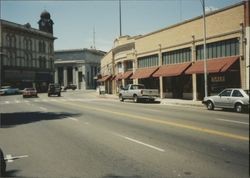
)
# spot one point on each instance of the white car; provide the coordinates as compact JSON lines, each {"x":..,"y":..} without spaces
{"x":233,"y":98}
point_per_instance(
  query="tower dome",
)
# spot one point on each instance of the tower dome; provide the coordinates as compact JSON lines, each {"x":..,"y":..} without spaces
{"x":45,"y":15}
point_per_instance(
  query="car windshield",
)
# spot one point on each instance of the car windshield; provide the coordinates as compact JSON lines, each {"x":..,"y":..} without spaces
{"x":30,"y":89}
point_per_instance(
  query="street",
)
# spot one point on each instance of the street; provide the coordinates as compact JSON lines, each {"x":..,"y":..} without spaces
{"x":83,"y":135}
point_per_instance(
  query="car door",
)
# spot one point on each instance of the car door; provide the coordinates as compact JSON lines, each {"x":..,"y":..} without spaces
{"x":236,"y":95}
{"x":223,"y":100}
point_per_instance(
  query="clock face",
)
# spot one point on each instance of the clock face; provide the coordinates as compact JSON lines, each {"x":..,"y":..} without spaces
{"x":43,"y":23}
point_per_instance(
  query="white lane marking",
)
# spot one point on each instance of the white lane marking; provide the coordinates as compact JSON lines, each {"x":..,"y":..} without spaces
{"x":44,"y":109}
{"x":139,"y":142}
{"x":44,"y":100}
{"x":238,"y":122}
{"x":26,"y":101}
{"x":7,"y":102}
{"x":73,"y":119}
{"x":36,"y":100}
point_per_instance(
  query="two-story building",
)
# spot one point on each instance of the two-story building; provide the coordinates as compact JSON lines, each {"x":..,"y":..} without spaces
{"x":171,"y":59}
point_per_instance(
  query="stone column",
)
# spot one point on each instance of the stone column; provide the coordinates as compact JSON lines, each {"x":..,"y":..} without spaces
{"x":83,"y":85}
{"x":74,"y":75}
{"x":160,"y":78}
{"x":194,"y":78}
{"x":242,"y":58}
{"x":65,"y":76}
{"x":135,"y":81}
{"x":56,"y":75}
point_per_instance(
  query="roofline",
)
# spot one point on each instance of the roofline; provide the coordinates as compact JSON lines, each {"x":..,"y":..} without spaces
{"x":193,"y":19}
{"x":22,"y":27}
{"x":80,"y":50}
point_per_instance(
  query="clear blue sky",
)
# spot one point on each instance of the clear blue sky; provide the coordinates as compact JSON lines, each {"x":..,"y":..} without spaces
{"x":75,"y":20}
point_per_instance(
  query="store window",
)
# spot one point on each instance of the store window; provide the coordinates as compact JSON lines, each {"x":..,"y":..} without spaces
{"x":219,"y":49}
{"x":148,"y":61}
{"x":176,"y":56}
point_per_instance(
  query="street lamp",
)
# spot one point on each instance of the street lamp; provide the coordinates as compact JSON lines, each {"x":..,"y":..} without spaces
{"x":204,"y":47}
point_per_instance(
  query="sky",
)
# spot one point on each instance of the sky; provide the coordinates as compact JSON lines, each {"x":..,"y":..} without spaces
{"x":76,"y":21}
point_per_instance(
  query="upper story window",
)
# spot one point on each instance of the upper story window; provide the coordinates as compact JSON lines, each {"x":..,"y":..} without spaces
{"x":27,"y":43}
{"x":219,"y":49}
{"x":42,"y":47}
{"x":176,"y":56}
{"x":148,"y":61}
{"x":10,"y":40}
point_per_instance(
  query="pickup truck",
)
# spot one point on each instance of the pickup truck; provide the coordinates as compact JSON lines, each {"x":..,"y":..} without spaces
{"x":137,"y":92}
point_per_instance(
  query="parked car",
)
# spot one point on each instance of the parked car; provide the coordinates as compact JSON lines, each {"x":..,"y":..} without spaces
{"x":54,"y":89}
{"x":70,"y":86}
{"x":233,"y":98}
{"x":8,"y":90}
{"x":137,"y":92}
{"x":29,"y":92}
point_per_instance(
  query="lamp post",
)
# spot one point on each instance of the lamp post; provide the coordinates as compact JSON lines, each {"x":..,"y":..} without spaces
{"x":204,"y":47}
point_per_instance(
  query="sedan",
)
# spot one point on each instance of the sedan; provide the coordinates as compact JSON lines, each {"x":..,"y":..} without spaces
{"x":29,"y":92}
{"x":233,"y":98}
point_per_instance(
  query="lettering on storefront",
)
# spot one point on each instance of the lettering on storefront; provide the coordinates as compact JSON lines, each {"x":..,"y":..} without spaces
{"x":218,"y":79}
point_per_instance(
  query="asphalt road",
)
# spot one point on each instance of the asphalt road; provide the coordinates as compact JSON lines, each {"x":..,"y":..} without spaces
{"x":83,"y":135}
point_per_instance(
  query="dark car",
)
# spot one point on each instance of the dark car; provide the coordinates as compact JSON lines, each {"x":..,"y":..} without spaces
{"x":70,"y":86}
{"x":54,"y":89}
{"x":29,"y":92}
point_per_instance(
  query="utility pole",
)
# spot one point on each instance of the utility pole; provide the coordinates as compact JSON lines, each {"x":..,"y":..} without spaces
{"x":120,"y":19}
{"x":204,"y":47}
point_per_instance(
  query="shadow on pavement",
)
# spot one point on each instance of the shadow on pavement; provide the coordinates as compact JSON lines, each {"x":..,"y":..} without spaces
{"x":11,"y":173}
{"x":8,"y":120}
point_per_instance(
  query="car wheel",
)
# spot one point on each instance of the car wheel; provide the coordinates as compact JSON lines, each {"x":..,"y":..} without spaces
{"x":2,"y":164}
{"x":135,"y":98}
{"x":238,"y":107}
{"x":210,"y":105}
{"x":48,"y":95}
{"x":59,"y":94}
{"x":121,"y":98}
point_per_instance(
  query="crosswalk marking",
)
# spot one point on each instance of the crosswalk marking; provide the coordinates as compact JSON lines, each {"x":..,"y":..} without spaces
{"x":51,"y":100}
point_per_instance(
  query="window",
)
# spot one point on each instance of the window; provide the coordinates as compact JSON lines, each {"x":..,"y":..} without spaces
{"x":237,"y":93}
{"x":148,"y":61}
{"x":177,"y":56}
{"x":219,"y":49}
{"x":226,"y":93}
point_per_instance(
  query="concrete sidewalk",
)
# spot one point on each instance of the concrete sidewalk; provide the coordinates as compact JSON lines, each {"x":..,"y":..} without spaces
{"x":165,"y":101}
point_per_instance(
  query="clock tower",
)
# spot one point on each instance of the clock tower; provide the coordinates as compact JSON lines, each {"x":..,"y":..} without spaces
{"x":45,"y":23}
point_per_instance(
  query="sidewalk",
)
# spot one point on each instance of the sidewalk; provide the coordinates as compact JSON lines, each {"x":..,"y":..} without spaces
{"x":165,"y":101}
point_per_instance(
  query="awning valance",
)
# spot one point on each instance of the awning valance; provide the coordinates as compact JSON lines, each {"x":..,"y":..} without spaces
{"x":213,"y":65}
{"x":144,"y":73}
{"x":104,"y":78}
{"x":171,"y":70}
{"x":126,"y":74}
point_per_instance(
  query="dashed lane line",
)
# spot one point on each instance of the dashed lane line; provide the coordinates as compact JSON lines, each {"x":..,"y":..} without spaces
{"x":162,"y":121}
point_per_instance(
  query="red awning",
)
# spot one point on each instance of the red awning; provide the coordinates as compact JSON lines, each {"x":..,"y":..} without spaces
{"x":104,"y":78}
{"x":126,"y":74}
{"x":213,"y":65}
{"x":144,"y":72}
{"x":171,"y":70}
{"x":118,"y":76}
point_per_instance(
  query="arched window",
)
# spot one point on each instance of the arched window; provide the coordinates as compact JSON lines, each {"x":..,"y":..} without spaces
{"x":8,"y":40}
